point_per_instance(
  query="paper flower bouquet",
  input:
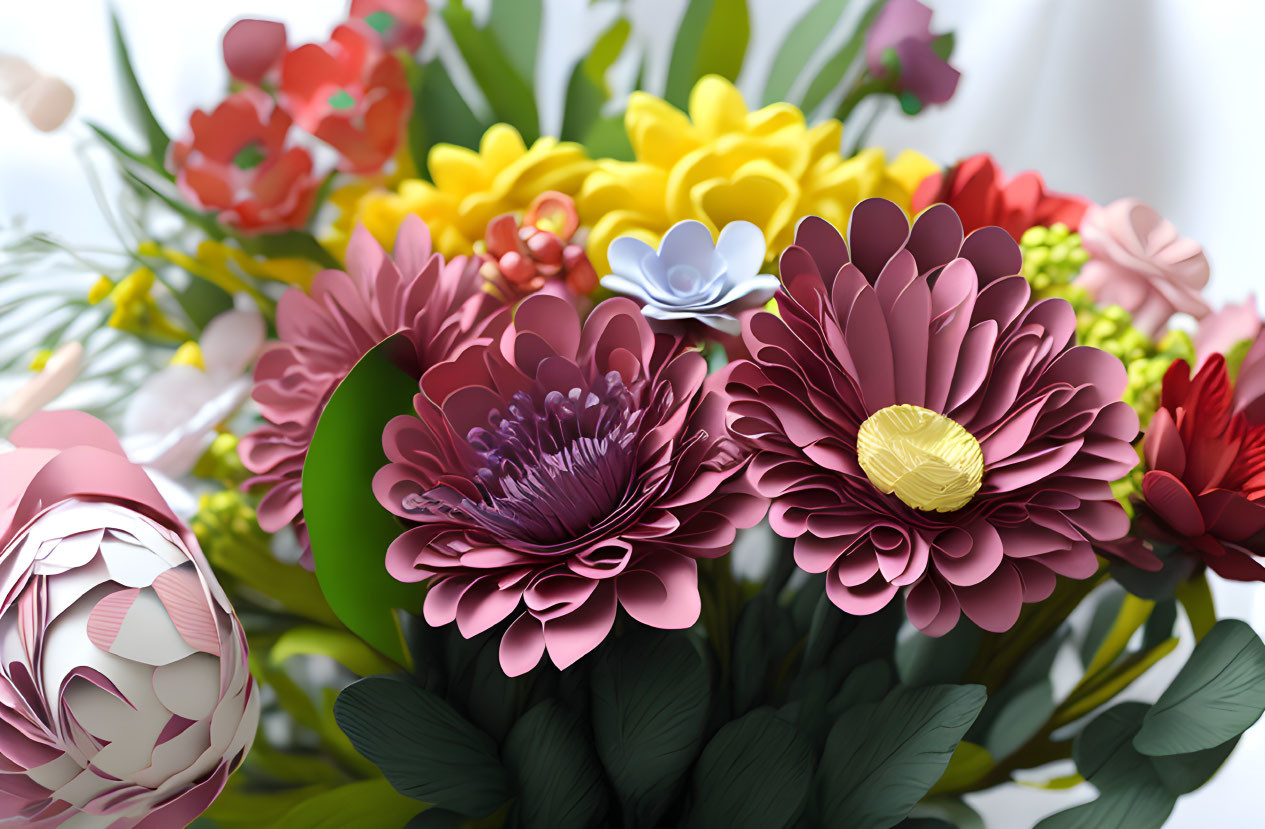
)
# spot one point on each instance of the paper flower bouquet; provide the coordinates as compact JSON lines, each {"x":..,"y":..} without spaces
{"x":664,"y":466}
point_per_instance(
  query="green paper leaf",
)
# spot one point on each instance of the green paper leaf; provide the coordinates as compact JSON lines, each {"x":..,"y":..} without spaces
{"x":516,"y":25}
{"x":882,"y":758}
{"x":349,"y":529}
{"x":651,"y":692}
{"x":1021,"y":718}
{"x":1159,"y":627}
{"x":142,"y":116}
{"x":943,"y":45}
{"x":559,"y":780}
{"x":866,"y":683}
{"x":440,"y":114}
{"x":1215,"y":697}
{"x":351,"y":805}
{"x":833,"y":72}
{"x":808,"y":33}
{"x":754,"y":774}
{"x":1130,"y":791}
{"x":930,"y":660}
{"x":1183,"y":773}
{"x":345,"y":648}
{"x":291,"y":243}
{"x":1105,"y":613}
{"x":712,"y":38}
{"x":510,"y":97}
{"x":427,"y":750}
{"x":1196,"y":599}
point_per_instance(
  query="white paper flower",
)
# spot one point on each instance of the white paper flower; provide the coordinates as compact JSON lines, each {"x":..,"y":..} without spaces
{"x":170,"y":419}
{"x":688,"y":279}
{"x":125,"y":694}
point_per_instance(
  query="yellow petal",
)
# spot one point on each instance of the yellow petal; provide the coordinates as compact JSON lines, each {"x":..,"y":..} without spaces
{"x":660,"y":133}
{"x":716,"y":107}
{"x":456,"y":169}
{"x":500,"y":147}
{"x":615,"y":224}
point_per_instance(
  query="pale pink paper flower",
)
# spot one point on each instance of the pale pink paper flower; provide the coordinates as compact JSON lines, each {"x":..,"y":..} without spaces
{"x":1139,"y":262}
{"x":1226,"y":327}
{"x":125,"y":696}
{"x":46,"y":101}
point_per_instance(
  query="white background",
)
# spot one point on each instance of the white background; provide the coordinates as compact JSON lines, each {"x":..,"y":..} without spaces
{"x":1160,"y":99}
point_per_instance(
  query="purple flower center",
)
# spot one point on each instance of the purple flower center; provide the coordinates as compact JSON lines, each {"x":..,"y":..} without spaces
{"x":552,"y":473}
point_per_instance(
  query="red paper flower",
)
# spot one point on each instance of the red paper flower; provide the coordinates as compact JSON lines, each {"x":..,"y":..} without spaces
{"x":398,"y":22}
{"x":561,"y":473}
{"x":977,"y":190}
{"x":440,"y":307}
{"x":1205,"y":449}
{"x":237,"y":164}
{"x":349,"y":93}
{"x":526,"y":257}
{"x":920,"y":426}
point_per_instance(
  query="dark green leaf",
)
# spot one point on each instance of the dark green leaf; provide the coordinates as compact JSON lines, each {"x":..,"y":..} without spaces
{"x":349,"y":529}
{"x":587,"y":91}
{"x":123,"y":153}
{"x":866,"y":684}
{"x":559,"y":780}
{"x":651,"y":691}
{"x":797,"y":49}
{"x":1022,"y":717}
{"x":203,"y":301}
{"x":1159,"y":626}
{"x":516,"y":25}
{"x":881,"y":758}
{"x":754,"y":774}
{"x":1130,"y":791}
{"x":510,"y":97}
{"x":134,"y":97}
{"x":1105,"y":613}
{"x":749,"y":666}
{"x":833,"y":72}
{"x":607,"y":138}
{"x":930,"y":660}
{"x":437,"y":819}
{"x":1183,"y":773}
{"x":1177,"y":565}
{"x":1215,"y":697}
{"x":424,"y":747}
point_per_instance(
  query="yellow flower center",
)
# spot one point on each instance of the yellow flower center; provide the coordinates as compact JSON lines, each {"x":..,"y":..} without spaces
{"x":923,"y":458}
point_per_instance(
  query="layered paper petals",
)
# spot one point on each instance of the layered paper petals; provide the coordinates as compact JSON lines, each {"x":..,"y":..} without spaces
{"x":438,"y":305}
{"x":922,"y":317}
{"x":124,"y":688}
{"x":561,"y":472}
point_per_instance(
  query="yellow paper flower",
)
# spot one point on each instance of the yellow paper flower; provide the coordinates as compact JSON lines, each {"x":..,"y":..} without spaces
{"x":470,"y":189}
{"x":723,"y":162}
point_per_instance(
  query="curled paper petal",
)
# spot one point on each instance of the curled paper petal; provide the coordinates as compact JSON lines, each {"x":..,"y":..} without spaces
{"x":139,"y":658}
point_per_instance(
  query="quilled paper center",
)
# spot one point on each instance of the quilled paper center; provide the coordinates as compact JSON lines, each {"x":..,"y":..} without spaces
{"x":925,"y":459}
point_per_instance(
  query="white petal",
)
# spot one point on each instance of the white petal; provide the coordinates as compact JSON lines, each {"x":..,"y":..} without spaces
{"x":688,"y":243}
{"x":626,"y":255}
{"x":231,"y":341}
{"x":741,"y":245}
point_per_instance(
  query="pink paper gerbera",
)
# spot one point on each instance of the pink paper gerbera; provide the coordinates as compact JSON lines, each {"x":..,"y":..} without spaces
{"x":561,"y":473}
{"x":920,"y":426}
{"x":440,"y":307}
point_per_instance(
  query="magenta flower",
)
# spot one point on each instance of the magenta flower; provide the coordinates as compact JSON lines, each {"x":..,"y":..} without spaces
{"x":919,"y":426}
{"x":1137,"y":260}
{"x":440,"y":307}
{"x":904,"y":26}
{"x":561,"y":473}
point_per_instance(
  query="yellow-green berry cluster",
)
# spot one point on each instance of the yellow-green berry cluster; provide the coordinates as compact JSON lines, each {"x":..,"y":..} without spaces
{"x":221,"y":463}
{"x":226,"y":527}
{"x":1052,"y":258}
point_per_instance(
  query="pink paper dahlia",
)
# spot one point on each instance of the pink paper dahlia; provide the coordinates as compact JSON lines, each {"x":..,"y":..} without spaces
{"x":563,"y":472}
{"x":439,"y":306}
{"x":918,"y":425}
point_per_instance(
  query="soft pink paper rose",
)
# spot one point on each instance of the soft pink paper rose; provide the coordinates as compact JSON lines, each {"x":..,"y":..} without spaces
{"x":125,"y":697}
{"x":1139,"y":262}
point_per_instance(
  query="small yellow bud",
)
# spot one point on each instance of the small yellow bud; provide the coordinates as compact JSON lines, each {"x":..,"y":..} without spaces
{"x":100,"y":289}
{"x":40,"y":359}
{"x":189,"y":354}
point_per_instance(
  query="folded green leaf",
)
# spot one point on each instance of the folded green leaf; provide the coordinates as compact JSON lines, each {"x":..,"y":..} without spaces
{"x":755,"y":773}
{"x":836,"y":69}
{"x":969,"y":763}
{"x":440,"y":114}
{"x":651,"y":690}
{"x":712,"y":38}
{"x":427,"y":750}
{"x":558,"y":778}
{"x":797,"y":49}
{"x":349,"y":650}
{"x":1215,"y":697}
{"x":882,"y":758}
{"x":349,"y":529}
